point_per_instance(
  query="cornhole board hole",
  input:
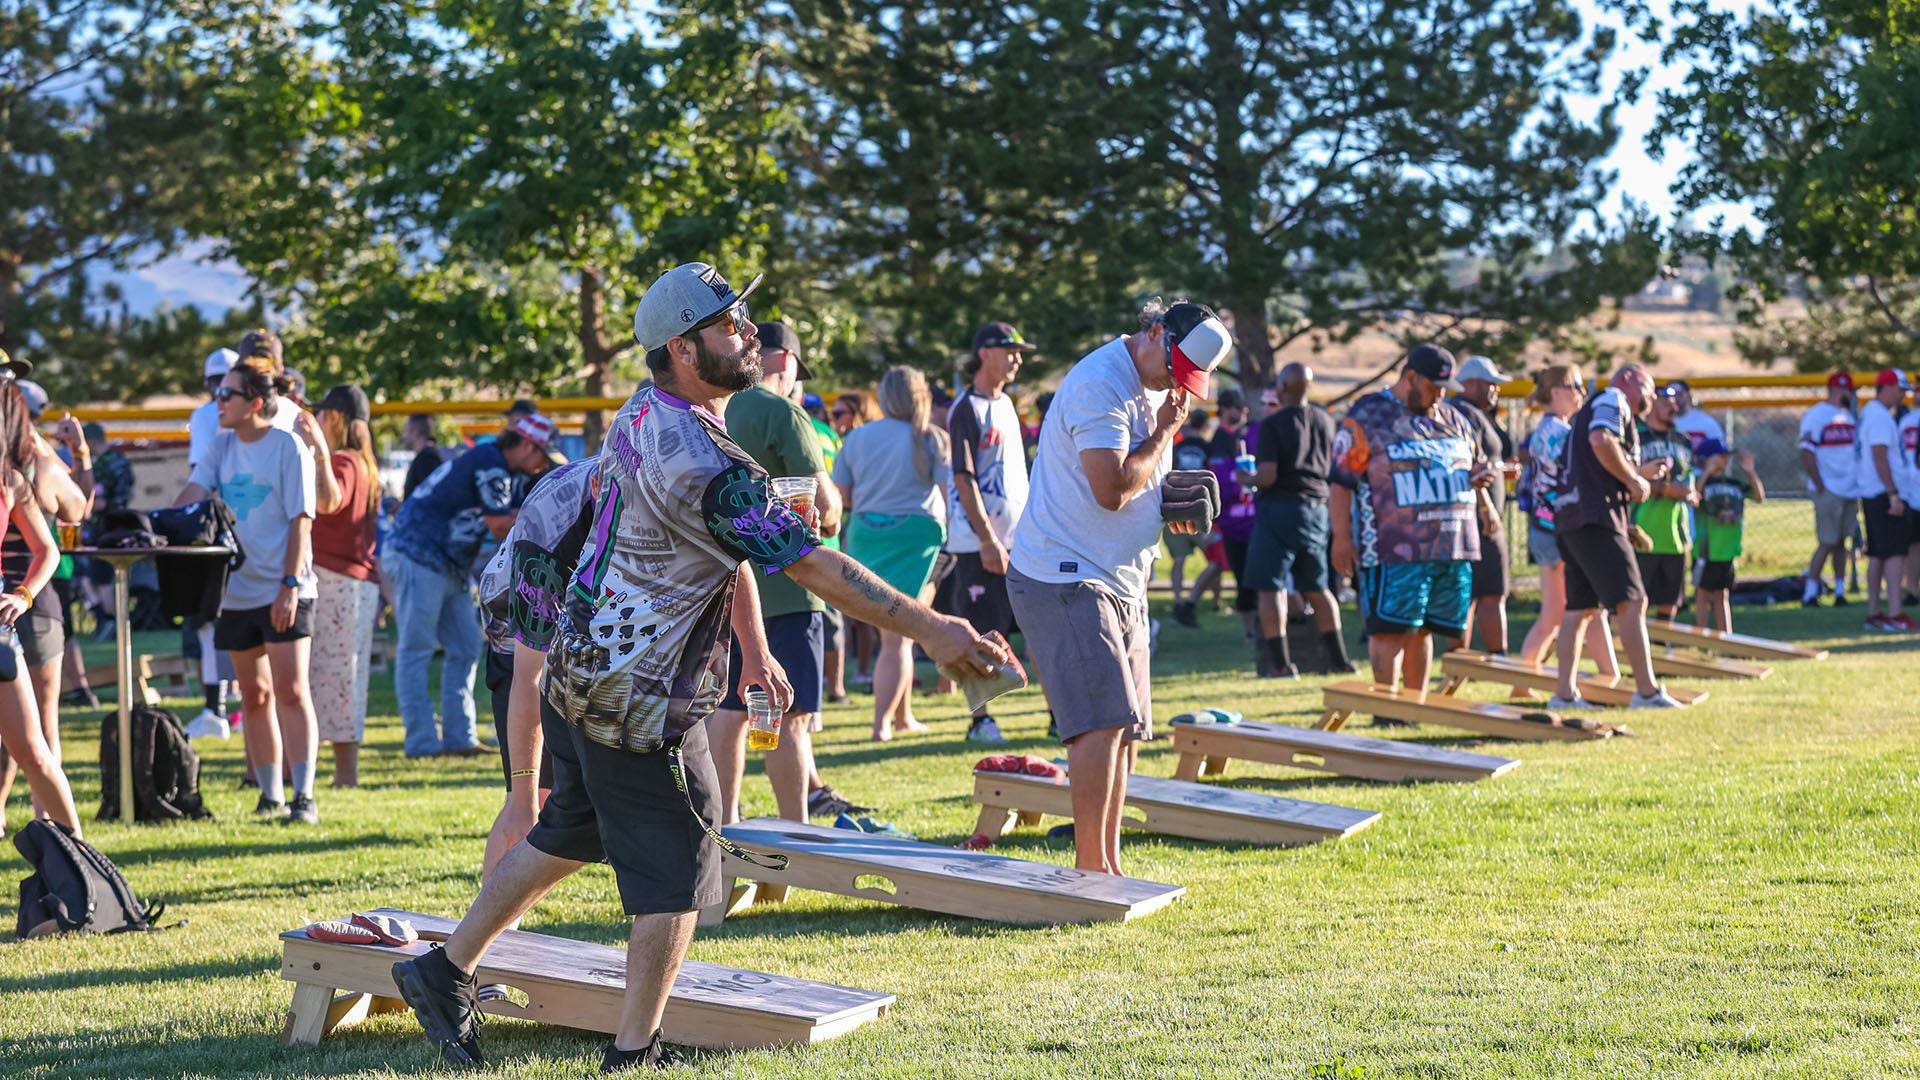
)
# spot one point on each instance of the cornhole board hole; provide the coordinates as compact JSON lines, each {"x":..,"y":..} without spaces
{"x":1680,"y":665}
{"x":1173,"y":807}
{"x":952,"y":881}
{"x":1462,"y":666}
{"x":1206,"y":749}
{"x":575,"y":984}
{"x":1744,"y":646}
{"x":1344,"y":699}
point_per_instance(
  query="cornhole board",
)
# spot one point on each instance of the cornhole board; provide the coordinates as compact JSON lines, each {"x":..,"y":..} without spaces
{"x":1206,"y":749}
{"x":952,"y":881}
{"x":1343,"y":699}
{"x":1462,"y":666}
{"x":575,"y":984}
{"x":1680,"y":665}
{"x":1173,"y":807}
{"x":104,"y":677}
{"x":1745,"y":646}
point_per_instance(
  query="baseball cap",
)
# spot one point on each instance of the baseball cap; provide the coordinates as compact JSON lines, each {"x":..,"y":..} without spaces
{"x":1840,"y":379}
{"x":262,"y":343}
{"x":1434,"y":363}
{"x":999,"y":335}
{"x":1889,"y":377}
{"x":776,"y":336}
{"x":1670,"y":390}
{"x":681,"y":298}
{"x":522,"y":407}
{"x":812,"y":400}
{"x":19,"y":369}
{"x":539,"y":431}
{"x":1231,"y":398}
{"x":219,"y":362}
{"x":348,"y":401}
{"x":93,"y":429}
{"x":1479,"y":367}
{"x":1710,"y":448}
{"x":1197,"y":343}
{"x":36,"y":396}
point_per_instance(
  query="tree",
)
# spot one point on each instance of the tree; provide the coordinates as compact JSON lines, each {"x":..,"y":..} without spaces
{"x":106,"y":156}
{"x":1805,"y":115}
{"x":469,"y":190}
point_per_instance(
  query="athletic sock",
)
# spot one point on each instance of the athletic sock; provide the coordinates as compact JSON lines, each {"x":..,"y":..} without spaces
{"x":302,"y":778}
{"x":1277,"y":649}
{"x":268,"y":777}
{"x":1336,"y":647}
{"x":1812,"y":591}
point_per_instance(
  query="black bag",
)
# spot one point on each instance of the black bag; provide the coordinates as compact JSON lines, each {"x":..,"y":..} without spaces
{"x":74,"y":887}
{"x":192,"y":585}
{"x":125,"y":529}
{"x":166,"y":768}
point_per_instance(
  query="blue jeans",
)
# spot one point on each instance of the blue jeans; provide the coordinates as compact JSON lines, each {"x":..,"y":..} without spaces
{"x":433,"y":609}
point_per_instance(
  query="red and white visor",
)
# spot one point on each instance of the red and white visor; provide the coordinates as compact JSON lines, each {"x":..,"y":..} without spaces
{"x":1194,"y":357}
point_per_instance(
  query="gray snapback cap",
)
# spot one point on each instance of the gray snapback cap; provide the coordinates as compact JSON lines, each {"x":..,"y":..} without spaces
{"x":683,"y":297}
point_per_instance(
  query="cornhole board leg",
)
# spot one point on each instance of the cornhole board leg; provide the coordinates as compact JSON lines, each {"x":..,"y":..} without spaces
{"x":1334,"y":719}
{"x":994,"y":821}
{"x":1190,"y":763}
{"x":318,"y":1012}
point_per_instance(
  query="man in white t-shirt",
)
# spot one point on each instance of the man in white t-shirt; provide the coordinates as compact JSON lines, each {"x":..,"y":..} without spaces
{"x":1081,"y":556}
{"x":1906,"y":480}
{"x":1692,"y":422}
{"x":1889,"y":522}
{"x":1829,"y":453}
{"x":989,"y":490}
{"x":204,"y":423}
{"x":216,"y":671}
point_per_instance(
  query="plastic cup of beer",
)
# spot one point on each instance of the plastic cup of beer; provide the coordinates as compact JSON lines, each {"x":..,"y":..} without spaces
{"x":69,"y":535}
{"x":763,"y":721}
{"x":796,"y":491}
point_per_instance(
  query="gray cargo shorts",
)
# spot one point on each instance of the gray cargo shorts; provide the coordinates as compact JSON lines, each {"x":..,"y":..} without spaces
{"x":1090,"y":646}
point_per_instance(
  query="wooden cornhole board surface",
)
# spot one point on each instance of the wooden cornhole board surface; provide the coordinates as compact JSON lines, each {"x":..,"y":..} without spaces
{"x":1682,"y":665}
{"x":1173,"y":807}
{"x":575,"y":984}
{"x":1213,"y":745}
{"x":952,"y":881}
{"x":1719,"y":641}
{"x":1466,"y":665}
{"x":1425,"y":707}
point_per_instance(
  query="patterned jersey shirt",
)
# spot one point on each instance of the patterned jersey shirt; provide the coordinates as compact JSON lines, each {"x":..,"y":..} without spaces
{"x":641,"y":656}
{"x":443,"y":524}
{"x":523,"y":592}
{"x":1411,"y":478}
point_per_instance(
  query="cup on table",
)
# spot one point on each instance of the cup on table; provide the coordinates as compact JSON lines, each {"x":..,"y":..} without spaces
{"x":69,"y":535}
{"x":797,"y":492}
{"x":763,"y":721}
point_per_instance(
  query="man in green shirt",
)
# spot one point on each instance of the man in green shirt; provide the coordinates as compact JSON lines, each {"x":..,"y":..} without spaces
{"x":1667,"y":517}
{"x":766,"y":423}
{"x":835,"y":626}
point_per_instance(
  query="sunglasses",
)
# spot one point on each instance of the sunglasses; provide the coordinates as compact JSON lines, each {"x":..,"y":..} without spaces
{"x":228,"y":393}
{"x":738,"y":313}
{"x":843,"y":412}
{"x":1575,"y":388}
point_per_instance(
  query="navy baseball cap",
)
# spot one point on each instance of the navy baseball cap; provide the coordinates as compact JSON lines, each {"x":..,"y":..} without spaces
{"x":1434,"y":363}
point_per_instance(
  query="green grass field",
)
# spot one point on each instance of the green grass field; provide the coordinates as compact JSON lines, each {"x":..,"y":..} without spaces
{"x":1731,"y":893}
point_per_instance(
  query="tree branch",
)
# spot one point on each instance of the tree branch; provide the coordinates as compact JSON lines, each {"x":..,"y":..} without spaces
{"x":1899,"y":324}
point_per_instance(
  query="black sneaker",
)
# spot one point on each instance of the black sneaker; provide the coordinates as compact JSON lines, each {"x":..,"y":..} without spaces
{"x":826,"y":802}
{"x":268,"y":806}
{"x":1291,"y":671}
{"x":81,"y":697}
{"x":301,"y":811}
{"x":445,"y":1001}
{"x":654,"y":1055}
{"x":1185,"y":615}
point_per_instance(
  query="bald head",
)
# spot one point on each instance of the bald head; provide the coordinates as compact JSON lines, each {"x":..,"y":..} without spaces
{"x":1295,"y":380}
{"x":1634,"y":382}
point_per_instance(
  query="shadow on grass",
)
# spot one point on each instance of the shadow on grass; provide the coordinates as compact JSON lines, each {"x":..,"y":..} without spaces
{"x":131,"y":977}
{"x":303,"y":843}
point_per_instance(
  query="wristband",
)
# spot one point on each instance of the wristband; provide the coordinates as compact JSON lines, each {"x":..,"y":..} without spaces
{"x":23,"y":593}
{"x":518,"y":773}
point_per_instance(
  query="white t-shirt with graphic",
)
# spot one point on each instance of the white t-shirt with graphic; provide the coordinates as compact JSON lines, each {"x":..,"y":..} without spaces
{"x":1877,"y":428}
{"x":985,"y":436}
{"x":1698,"y":427}
{"x":1906,"y":470}
{"x":268,"y":483}
{"x":1831,"y":433}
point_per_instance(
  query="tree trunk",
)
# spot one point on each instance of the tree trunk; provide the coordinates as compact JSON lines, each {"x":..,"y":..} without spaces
{"x":1238,"y":178}
{"x":596,"y":352}
{"x":9,"y":300}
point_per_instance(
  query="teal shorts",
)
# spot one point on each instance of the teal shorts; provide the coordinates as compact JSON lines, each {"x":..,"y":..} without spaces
{"x":1405,"y":598}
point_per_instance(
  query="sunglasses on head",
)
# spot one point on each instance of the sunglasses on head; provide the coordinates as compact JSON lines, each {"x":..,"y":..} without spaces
{"x":228,"y":393}
{"x":738,"y":313}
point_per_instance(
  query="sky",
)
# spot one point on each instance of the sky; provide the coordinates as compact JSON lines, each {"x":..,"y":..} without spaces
{"x":194,"y":277}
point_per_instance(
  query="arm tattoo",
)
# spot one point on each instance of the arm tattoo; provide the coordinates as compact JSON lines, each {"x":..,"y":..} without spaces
{"x":871,"y":587}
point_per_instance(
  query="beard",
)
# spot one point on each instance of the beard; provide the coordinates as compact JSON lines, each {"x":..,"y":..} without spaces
{"x":732,"y":372}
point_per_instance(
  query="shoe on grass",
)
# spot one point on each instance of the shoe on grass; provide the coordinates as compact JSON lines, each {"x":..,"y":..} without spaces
{"x":1659,"y":699}
{"x":984,"y":730}
{"x":446,"y":1002}
{"x":1185,"y":615}
{"x":1876,"y":624}
{"x":826,"y":802}
{"x":301,"y":811}
{"x":883,"y":828}
{"x":209,"y":725}
{"x":268,"y":807}
{"x":1900,"y":624}
{"x":654,"y":1055}
{"x":1556,"y":703}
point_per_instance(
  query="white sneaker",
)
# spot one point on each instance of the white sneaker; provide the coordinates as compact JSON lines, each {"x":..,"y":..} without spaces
{"x":1659,"y":699}
{"x":1556,"y":703}
{"x":208,"y":725}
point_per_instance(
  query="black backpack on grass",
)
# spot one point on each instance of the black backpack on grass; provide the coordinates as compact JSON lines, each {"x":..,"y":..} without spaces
{"x":166,"y":768}
{"x":74,"y":888}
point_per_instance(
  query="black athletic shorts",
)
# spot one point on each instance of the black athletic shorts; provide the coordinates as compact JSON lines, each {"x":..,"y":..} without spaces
{"x":1717,"y":576}
{"x":500,"y":689}
{"x":623,"y":809}
{"x":250,"y":628}
{"x":1888,"y":537}
{"x":980,"y":596}
{"x":1490,"y":569}
{"x":1245,"y":597}
{"x":941,"y":578}
{"x":1601,"y":569}
{"x":796,"y":640}
{"x":1664,"y":577}
{"x":831,"y":623}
